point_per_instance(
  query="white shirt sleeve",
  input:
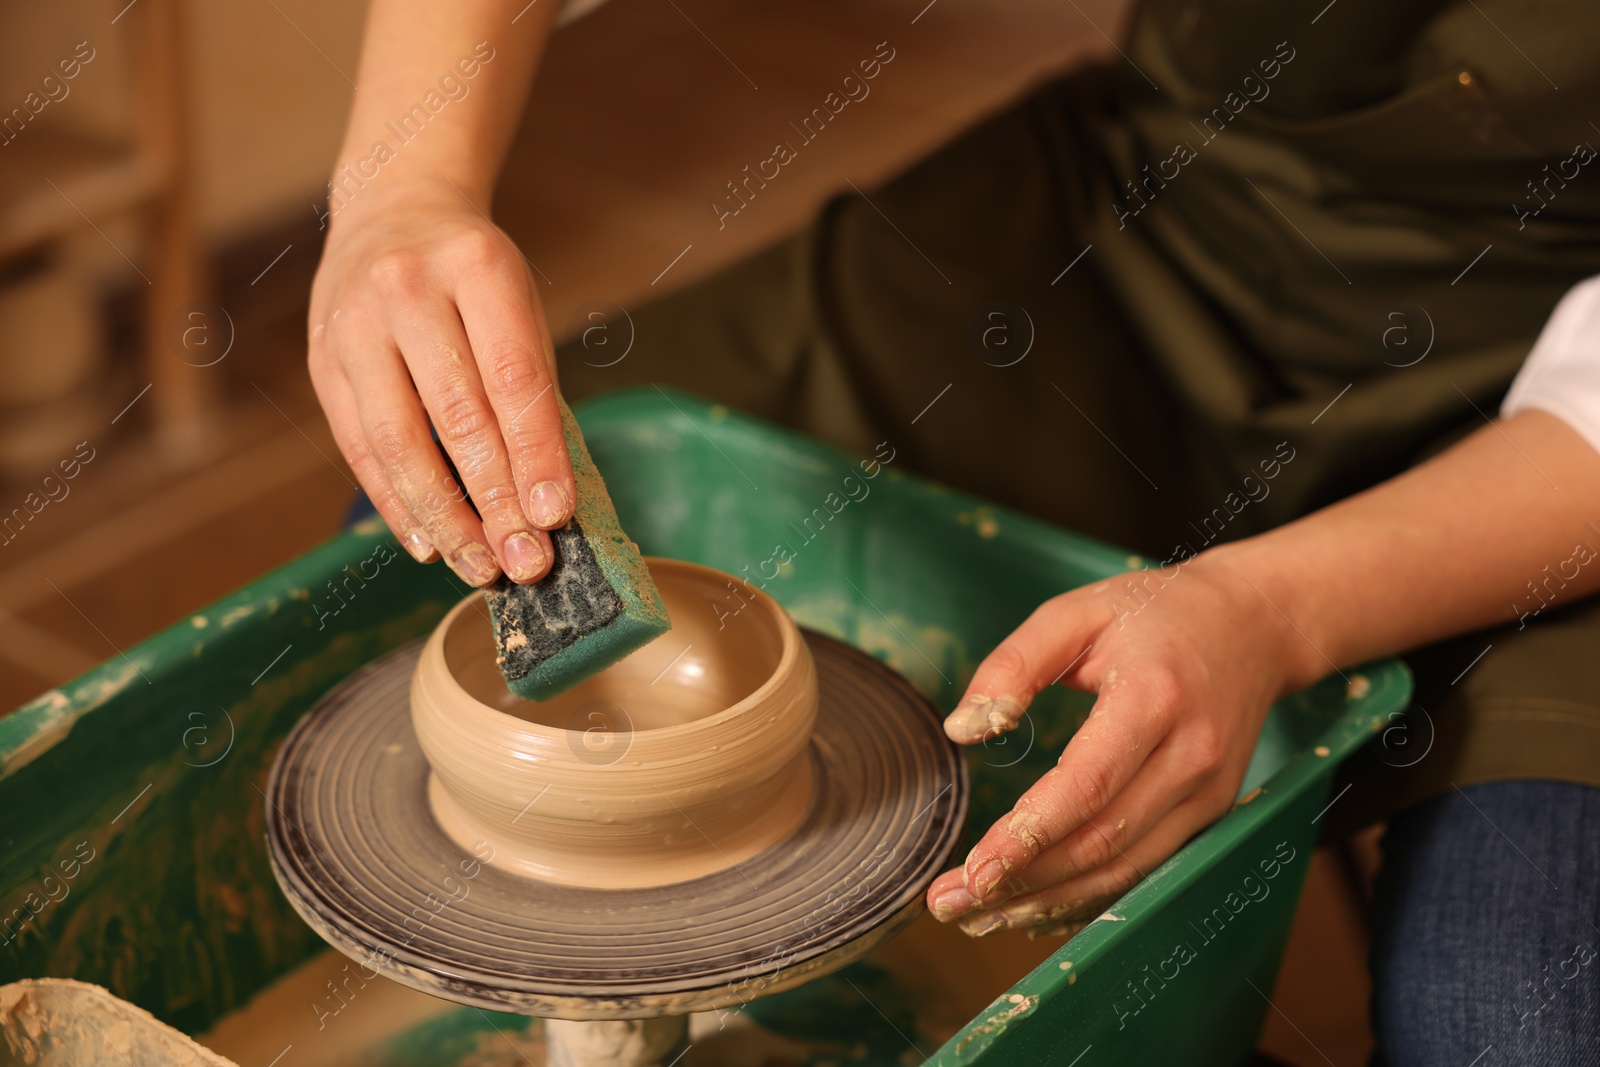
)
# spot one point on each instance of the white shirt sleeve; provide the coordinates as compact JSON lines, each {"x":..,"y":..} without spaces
{"x":573,"y":10}
{"x":1562,"y":373}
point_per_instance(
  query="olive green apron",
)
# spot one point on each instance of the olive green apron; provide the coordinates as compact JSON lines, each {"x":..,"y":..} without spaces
{"x":1267,"y":259}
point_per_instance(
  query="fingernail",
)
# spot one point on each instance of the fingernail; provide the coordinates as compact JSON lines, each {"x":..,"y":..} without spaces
{"x":987,"y":879}
{"x":524,"y":557}
{"x":951,"y":904}
{"x":419,"y":546}
{"x":983,"y":923}
{"x":473,"y":562}
{"x":548,"y":504}
{"x":978,"y":718}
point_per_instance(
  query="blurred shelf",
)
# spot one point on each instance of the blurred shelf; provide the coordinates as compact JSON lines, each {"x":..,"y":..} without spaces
{"x":52,"y":183}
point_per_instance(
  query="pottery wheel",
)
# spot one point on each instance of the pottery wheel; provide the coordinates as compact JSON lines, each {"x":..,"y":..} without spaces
{"x":356,"y":849}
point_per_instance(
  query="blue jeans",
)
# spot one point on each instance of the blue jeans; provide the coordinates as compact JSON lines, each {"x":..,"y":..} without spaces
{"x":1486,"y":939}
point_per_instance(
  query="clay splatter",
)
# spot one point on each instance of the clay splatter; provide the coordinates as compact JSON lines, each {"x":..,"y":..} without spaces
{"x":48,"y":718}
{"x":1029,"y":829}
{"x":1002,"y":1013}
{"x":980,"y":717}
{"x":244,"y":611}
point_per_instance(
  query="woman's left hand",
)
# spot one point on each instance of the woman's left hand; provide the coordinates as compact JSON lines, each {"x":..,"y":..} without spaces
{"x":1184,"y":668}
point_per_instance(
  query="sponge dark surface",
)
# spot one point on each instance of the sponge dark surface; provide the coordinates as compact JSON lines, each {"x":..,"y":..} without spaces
{"x":597,"y":604}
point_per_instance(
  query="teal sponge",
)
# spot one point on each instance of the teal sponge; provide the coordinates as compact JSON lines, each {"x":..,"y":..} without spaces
{"x":597,"y":604}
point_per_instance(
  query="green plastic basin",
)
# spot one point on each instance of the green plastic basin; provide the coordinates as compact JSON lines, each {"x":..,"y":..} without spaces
{"x":151,"y":764}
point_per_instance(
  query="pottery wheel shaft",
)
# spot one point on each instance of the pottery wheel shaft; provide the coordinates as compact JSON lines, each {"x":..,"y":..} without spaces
{"x":355,"y":847}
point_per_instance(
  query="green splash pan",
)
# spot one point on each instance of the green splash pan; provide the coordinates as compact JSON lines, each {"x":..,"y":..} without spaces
{"x":178,"y":911}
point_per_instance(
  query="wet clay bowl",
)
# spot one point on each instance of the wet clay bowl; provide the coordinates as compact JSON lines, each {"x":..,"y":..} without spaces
{"x":681,"y":760}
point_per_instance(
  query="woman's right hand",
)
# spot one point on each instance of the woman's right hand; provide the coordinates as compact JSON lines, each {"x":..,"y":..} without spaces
{"x":423,"y":311}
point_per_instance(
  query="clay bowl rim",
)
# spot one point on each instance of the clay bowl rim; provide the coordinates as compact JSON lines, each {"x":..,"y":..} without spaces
{"x":790,"y":655}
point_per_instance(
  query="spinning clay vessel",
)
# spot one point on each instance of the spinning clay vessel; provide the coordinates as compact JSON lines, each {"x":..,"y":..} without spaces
{"x":734,"y":809}
{"x":687,"y":757}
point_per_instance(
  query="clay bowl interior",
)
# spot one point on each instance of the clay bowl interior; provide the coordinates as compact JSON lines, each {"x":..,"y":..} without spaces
{"x":658,"y":686}
{"x":682,"y":759}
